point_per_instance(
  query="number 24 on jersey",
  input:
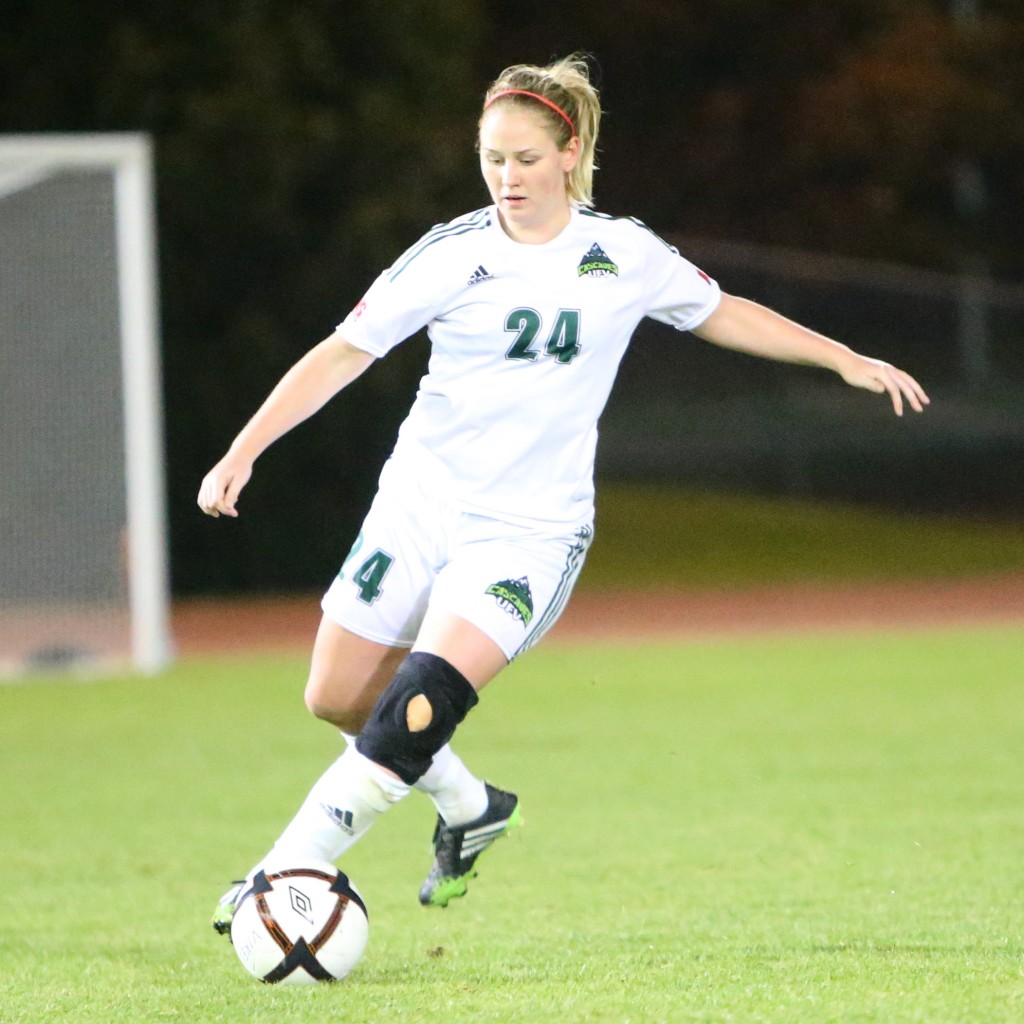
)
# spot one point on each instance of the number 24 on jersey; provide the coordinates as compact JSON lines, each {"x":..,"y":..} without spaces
{"x":563,"y":342}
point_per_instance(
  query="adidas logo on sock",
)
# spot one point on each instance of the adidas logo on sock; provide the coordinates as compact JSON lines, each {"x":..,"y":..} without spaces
{"x":478,"y":275}
{"x":343,"y":819}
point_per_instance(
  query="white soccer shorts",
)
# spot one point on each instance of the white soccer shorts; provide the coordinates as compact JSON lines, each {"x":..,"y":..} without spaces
{"x":415,"y":549}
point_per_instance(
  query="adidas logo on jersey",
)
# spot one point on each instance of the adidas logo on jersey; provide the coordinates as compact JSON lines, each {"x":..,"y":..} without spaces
{"x":478,"y":275}
{"x":595,"y":263}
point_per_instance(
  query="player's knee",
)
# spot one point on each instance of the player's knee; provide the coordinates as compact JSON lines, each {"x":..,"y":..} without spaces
{"x":416,"y":715}
{"x":343,"y":707}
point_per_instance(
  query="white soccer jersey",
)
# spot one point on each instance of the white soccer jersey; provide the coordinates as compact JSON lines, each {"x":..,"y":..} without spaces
{"x":526,"y":341}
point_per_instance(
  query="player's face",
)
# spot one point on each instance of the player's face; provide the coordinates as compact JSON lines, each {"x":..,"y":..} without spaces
{"x":525,"y":173}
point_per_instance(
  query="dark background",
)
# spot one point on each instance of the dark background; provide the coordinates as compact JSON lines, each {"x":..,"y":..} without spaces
{"x":301,"y":146}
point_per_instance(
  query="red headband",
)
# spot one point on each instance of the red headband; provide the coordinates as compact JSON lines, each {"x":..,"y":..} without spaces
{"x":526,"y":92}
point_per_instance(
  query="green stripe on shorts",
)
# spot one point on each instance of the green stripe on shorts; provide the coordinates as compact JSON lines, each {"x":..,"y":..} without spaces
{"x":573,"y":565}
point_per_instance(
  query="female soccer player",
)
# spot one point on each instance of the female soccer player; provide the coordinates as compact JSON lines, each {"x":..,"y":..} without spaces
{"x":484,"y":513}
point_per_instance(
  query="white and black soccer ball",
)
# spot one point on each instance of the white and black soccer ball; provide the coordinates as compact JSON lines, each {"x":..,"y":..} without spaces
{"x":300,"y":925}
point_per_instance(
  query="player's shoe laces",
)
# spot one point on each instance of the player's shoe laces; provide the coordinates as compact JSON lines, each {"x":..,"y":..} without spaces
{"x":225,"y":911}
{"x":456,"y":849}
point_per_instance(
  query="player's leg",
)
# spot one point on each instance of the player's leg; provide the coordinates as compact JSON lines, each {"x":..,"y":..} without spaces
{"x":410,"y":725}
{"x":456,"y":792}
{"x":372,"y":612}
{"x":347,"y":673}
{"x":448,"y":644}
{"x":433,"y":690}
{"x":345,"y":680}
{"x":349,"y":676}
{"x":382,"y":592}
{"x":508,"y":587}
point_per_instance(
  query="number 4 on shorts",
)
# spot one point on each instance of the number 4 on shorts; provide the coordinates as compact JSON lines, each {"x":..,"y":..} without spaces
{"x":370,"y":574}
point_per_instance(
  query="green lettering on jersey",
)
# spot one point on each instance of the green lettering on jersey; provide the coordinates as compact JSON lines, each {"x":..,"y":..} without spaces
{"x":527,"y":323}
{"x":563,"y":344}
{"x":370,"y":574}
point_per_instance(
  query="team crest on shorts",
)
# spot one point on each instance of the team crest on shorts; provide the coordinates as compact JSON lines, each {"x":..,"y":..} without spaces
{"x":595,"y":263}
{"x":514,"y":597}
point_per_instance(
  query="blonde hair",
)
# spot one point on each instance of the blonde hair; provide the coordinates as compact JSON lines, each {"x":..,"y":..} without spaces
{"x":566,"y":84}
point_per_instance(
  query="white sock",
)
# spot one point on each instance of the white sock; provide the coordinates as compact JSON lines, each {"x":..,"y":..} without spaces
{"x":342,"y":805}
{"x":458,"y":795}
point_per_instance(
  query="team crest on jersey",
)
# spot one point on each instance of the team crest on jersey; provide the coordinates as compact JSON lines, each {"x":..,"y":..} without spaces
{"x":514,"y":597}
{"x":596,"y":263}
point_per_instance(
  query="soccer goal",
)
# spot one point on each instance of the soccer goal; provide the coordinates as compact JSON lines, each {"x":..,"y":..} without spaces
{"x":83,"y":539}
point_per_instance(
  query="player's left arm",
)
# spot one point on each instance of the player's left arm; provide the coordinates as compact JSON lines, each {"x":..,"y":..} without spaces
{"x":749,"y":327}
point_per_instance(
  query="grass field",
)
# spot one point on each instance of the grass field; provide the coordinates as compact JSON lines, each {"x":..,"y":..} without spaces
{"x":663,"y":536}
{"x":801,"y":829}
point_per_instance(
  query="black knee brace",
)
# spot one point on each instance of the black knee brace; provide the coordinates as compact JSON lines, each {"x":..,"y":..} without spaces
{"x":416,"y":715}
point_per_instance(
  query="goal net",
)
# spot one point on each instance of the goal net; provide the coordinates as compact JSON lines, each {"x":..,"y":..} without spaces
{"x":83,"y":550}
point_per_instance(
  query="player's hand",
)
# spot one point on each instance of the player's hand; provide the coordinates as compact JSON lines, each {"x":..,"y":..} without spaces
{"x":875,"y":375}
{"x":220,"y":488}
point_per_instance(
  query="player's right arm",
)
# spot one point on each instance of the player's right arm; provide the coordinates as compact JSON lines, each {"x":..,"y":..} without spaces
{"x":316,"y":378}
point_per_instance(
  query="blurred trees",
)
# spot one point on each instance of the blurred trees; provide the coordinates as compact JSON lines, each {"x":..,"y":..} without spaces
{"x":301,"y":147}
{"x":831,"y":126}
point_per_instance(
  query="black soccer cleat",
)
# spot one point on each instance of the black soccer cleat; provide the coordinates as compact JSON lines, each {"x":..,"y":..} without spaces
{"x":456,"y":849}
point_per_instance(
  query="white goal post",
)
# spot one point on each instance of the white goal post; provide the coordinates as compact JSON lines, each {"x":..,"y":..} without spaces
{"x":82,"y":406}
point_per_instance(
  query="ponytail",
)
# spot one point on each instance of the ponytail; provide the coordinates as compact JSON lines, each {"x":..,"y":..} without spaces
{"x":564,"y":96}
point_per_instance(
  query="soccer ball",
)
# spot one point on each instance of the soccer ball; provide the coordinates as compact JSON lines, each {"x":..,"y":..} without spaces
{"x":300,"y":925}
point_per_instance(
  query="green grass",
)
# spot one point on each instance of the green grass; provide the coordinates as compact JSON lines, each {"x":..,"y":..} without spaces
{"x":801,"y":829}
{"x":661,"y":536}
